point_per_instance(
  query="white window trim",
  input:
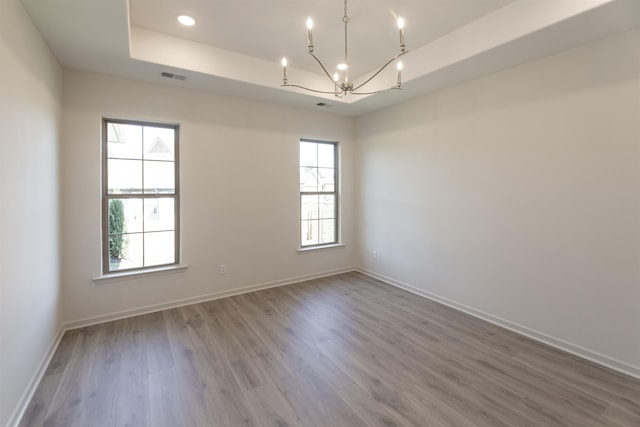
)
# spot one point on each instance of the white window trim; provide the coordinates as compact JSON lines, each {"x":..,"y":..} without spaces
{"x":136,"y":274}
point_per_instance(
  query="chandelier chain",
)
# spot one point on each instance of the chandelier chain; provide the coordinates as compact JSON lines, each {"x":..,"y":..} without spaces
{"x":345,"y":19}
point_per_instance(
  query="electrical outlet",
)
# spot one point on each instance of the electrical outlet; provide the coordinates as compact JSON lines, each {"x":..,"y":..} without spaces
{"x":223,"y":268}
{"x":374,"y":254}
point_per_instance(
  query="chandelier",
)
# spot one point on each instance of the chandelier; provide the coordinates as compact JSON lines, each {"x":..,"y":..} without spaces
{"x":340,"y":80}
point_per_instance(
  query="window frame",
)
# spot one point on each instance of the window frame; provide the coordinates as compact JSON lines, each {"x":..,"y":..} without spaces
{"x":335,"y":193}
{"x":106,"y":197}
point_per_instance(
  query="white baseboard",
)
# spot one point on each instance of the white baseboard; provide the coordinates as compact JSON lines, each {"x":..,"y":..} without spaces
{"x":75,"y":324}
{"x":26,"y":397}
{"x":558,"y":343}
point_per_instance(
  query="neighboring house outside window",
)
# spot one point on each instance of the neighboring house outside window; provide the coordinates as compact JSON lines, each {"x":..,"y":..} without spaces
{"x":318,"y":193}
{"x":140,"y":196}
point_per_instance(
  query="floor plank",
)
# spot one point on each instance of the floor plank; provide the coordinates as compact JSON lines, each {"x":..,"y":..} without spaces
{"x":343,"y":351}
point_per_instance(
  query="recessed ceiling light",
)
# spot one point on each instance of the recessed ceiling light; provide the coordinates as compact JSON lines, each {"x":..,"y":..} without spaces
{"x":186,"y":20}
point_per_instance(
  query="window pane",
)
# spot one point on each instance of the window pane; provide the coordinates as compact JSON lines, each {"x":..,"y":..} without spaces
{"x":326,"y":155}
{"x":308,"y":179}
{"x":133,"y":215}
{"x":125,"y":176}
{"x":309,"y":233}
{"x":124,"y":141}
{"x":125,"y":216}
{"x":308,"y":154}
{"x":159,"y":177}
{"x":327,"y":231}
{"x":130,"y":254}
{"x":159,"y":143}
{"x":159,"y":248}
{"x":327,"y":206}
{"x":326,"y":179}
{"x":309,"y":207}
{"x":159,"y":214}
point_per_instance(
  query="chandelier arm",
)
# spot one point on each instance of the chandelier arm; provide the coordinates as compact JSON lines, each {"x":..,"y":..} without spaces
{"x":323,"y":69}
{"x":378,"y":72}
{"x":312,"y":90}
{"x":377,"y":91}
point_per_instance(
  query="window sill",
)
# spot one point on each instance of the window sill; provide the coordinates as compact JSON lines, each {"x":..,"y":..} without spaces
{"x":138,"y":273}
{"x":314,"y":248}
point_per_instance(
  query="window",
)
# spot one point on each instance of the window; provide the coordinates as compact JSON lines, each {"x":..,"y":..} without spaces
{"x":140,"y":197}
{"x":318,"y":193}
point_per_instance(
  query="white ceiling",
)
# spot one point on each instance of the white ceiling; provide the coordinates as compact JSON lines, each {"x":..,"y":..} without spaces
{"x":270,"y":30}
{"x":236,"y":45}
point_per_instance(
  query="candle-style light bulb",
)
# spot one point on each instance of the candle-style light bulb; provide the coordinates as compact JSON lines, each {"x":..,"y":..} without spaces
{"x":336,"y":77}
{"x":284,"y":70}
{"x":399,"y":74}
{"x":310,"y":34}
{"x":401,"y":28}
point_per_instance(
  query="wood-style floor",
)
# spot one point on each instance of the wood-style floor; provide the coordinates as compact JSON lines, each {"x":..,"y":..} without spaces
{"x":336,"y":352}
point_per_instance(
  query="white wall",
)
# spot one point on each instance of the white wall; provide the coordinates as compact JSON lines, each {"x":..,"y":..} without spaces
{"x":239,"y":183}
{"x":518,"y":195}
{"x":30,"y":98}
